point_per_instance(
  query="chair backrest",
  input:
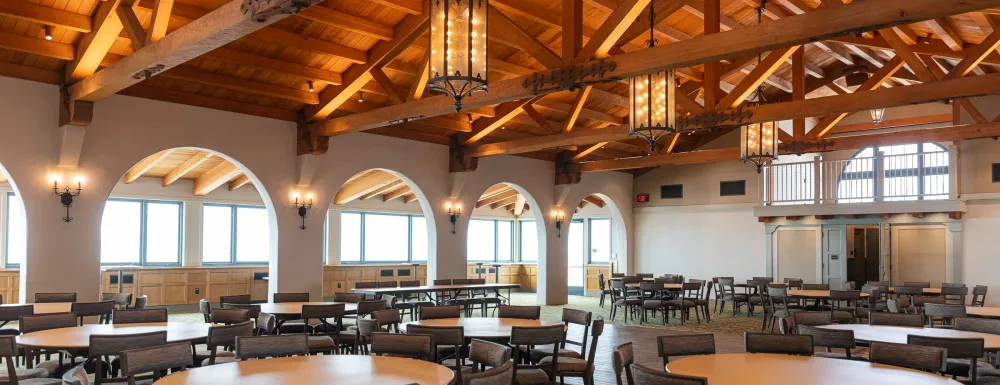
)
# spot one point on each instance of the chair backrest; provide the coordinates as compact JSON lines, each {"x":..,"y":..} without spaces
{"x":502,"y":375}
{"x":76,"y":376}
{"x":621,"y":360}
{"x":522,"y":312}
{"x":764,"y":279}
{"x":139,"y":316}
{"x":644,"y":275}
{"x":365,"y":285}
{"x":229,"y":316}
{"x":416,"y":346}
{"x":929,"y":358}
{"x":597,"y":329}
{"x":579,"y":318}
{"x":115,"y":344}
{"x":443,"y":335}
{"x":680,"y":345}
{"x":600,"y":281}
{"x":122,"y":300}
{"x":980,"y":325}
{"x":947,"y":312}
{"x":917,"y":284}
{"x":957,"y":347}
{"x":38,"y":322}
{"x":794,"y":344}
{"x":948,"y":284}
{"x":387,"y":284}
{"x":225,"y":335}
{"x":242,"y":299}
{"x":90,"y":309}
{"x":324,"y":314}
{"x":290,"y":297}
{"x":478,"y":281}
{"x":348,"y":297}
{"x":253,"y":310}
{"x":489,"y":353}
{"x":645,"y":375}
{"x":829,"y":338}
{"x":272,"y":346}
{"x":979,"y":295}
{"x":11,"y":313}
{"x":954,"y":294}
{"x":54,"y":297}
{"x":921,"y":300}
{"x":438,"y":312}
{"x":896,"y":319}
{"x":414,"y":283}
{"x":390,"y":317}
{"x":266,"y":324}
{"x":442,"y":282}
{"x":367,"y":307}
{"x":140,"y":302}
{"x":461,"y":281}
{"x":536,"y":335}
{"x":156,"y":359}
{"x":908,"y":290}
{"x":815,"y":286}
{"x":810,"y":318}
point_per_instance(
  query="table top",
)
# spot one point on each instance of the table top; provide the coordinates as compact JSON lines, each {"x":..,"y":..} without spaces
{"x":672,"y":286}
{"x":429,"y":288}
{"x":333,"y":369}
{"x":295,"y":308}
{"x":897,"y":334}
{"x":927,"y":290}
{"x":79,"y":337}
{"x":982,"y":312}
{"x":45,"y":308}
{"x":815,"y":293}
{"x":484,"y":327}
{"x":744,"y":284}
{"x":762,"y":369}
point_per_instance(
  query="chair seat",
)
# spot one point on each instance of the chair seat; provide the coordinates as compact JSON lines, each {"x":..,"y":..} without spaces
{"x":541,"y":352}
{"x":960,"y":367}
{"x":24,"y":374}
{"x":567,"y":364}
{"x":629,"y":302}
{"x":219,"y":360}
{"x":321,"y":343}
{"x":652,"y":304}
{"x":681,"y":303}
{"x":532,"y":377}
{"x":738,"y":297}
{"x":843,"y":315}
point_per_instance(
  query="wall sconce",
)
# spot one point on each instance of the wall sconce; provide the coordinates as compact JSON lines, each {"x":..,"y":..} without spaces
{"x":453,"y":212}
{"x":302,"y":207}
{"x":558,"y":215}
{"x":66,"y":196}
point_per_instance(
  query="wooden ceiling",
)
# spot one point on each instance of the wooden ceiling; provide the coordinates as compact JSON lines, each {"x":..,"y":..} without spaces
{"x":364,"y":55}
{"x":207,"y":170}
{"x":374,"y":184}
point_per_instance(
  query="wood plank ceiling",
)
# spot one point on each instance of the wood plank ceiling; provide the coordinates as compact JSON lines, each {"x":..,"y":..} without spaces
{"x":270,"y":72}
{"x":207,"y":170}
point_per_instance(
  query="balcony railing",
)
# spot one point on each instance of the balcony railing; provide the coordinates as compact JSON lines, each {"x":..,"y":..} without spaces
{"x":881,"y":178}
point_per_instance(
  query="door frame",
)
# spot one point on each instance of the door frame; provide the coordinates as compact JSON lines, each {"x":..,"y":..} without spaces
{"x":773,"y":258}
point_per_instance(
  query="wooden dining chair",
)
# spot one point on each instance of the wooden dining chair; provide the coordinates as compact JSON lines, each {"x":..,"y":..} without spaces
{"x":54,"y":297}
{"x":979,"y":295}
{"x":106,"y":349}
{"x":323,"y":324}
{"x":415,"y":346}
{"x":792,"y":344}
{"x":845,"y":305}
{"x":448,"y":342}
{"x":139,"y":316}
{"x":102,"y":310}
{"x":581,"y":319}
{"x":810,"y":318}
{"x":223,"y":337}
{"x":242,"y":299}
{"x":963,"y":353}
{"x":122,"y":300}
{"x":13,"y":313}
{"x":205,"y":308}
{"x":140,"y":302}
{"x":682,"y":345}
{"x":253,"y":310}
{"x":954,"y":294}
{"x":229,"y":316}
{"x":580,"y":367}
{"x":348,"y":297}
{"x":922,"y":285}
{"x":388,"y":319}
{"x":266,"y":324}
{"x":156,"y":360}
{"x":283,"y":345}
{"x":9,"y":353}
{"x":503,"y":375}
{"x":830,"y":339}
{"x":527,"y":336}
{"x":521,"y":312}
{"x":927,"y":358}
{"x":621,"y":362}
{"x":38,"y":322}
{"x":944,"y":312}
{"x":644,"y":375}
{"x":485,"y":354}
{"x":439,"y":312}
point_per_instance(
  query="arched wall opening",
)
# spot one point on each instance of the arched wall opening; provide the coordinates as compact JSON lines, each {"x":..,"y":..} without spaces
{"x":188,"y":207}
{"x":597,"y":241}
{"x":378,"y":216}
{"x":13,"y":236}
{"x":504,"y":229}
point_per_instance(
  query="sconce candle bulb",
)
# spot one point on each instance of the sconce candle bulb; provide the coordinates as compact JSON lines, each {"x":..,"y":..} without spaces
{"x":559,"y":217}
{"x":303,"y":207}
{"x":66,"y":195}
{"x":453,"y":212}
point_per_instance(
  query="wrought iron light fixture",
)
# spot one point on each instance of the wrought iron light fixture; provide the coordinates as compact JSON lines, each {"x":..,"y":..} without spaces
{"x":877,"y":115}
{"x":457,"y":50}
{"x":453,"y":212}
{"x":759,"y":141}
{"x":651,"y":100}
{"x":559,"y":217}
{"x":302,"y":207}
{"x":66,"y":195}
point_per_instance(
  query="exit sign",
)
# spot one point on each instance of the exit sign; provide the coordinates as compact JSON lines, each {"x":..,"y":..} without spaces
{"x":642,"y":198}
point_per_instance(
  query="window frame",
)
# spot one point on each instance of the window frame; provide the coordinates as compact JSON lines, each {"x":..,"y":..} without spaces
{"x":6,"y":232}
{"x":232,"y":234}
{"x":361,"y":233}
{"x":496,"y":240}
{"x":143,"y":225}
{"x":886,"y":174}
{"x":520,"y":239}
{"x":590,"y":245}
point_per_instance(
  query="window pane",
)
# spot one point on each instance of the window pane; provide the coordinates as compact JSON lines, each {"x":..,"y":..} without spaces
{"x":529,"y":241}
{"x":120,"y":232}
{"x":482,"y":240}
{"x":505,"y":241}
{"x":418,"y":240}
{"x":600,"y":240}
{"x":16,"y":234}
{"x":253,"y":235}
{"x":163,"y":222}
{"x":216,"y":234}
{"x":350,"y":237}
{"x":575,"y":257}
{"x":386,"y":238}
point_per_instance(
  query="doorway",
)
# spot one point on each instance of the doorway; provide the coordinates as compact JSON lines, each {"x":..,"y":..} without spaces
{"x":864,"y":259}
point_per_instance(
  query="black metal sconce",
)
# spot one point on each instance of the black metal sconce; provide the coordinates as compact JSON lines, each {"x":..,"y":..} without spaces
{"x":559,"y":222}
{"x":303,"y":207}
{"x":453,"y":213}
{"x":66,"y":196}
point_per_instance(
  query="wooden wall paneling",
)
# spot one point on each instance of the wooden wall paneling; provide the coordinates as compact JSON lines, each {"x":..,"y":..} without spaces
{"x":10,"y":285}
{"x":258,"y":288}
{"x":591,"y":274}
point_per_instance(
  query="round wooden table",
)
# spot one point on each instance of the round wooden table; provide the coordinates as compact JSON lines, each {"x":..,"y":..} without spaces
{"x":79,"y":337}
{"x":766,"y":369}
{"x":339,"y":369}
{"x":927,"y":290}
{"x":486,"y":328}
{"x":744,"y":284}
{"x":982,"y":312}
{"x":294,"y":309}
{"x":45,"y":308}
{"x":666,"y":286}
{"x":817,"y":294}
{"x":897,"y":334}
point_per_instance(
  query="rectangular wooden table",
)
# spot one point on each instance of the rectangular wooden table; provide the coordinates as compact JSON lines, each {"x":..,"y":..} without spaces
{"x":453,"y":290}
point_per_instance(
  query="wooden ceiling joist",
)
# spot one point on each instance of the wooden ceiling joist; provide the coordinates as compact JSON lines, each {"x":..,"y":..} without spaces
{"x":186,"y":167}
{"x":359,"y":187}
{"x":383,"y":190}
{"x":45,"y":15}
{"x":238,"y":182}
{"x":483,"y":202}
{"x":501,"y":27}
{"x":495,"y":190}
{"x":613,"y":28}
{"x":144,"y":165}
{"x":397,"y":193}
{"x":215,"y":177}
{"x":96,"y":43}
{"x":594,"y":200}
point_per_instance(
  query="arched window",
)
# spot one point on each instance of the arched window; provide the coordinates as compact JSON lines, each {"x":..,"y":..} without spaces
{"x":912,"y":172}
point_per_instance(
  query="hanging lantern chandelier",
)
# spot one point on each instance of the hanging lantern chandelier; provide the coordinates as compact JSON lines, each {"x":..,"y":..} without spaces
{"x":651,"y":100}
{"x":457,"y":50}
{"x":759,"y":141}
{"x":877,"y":115}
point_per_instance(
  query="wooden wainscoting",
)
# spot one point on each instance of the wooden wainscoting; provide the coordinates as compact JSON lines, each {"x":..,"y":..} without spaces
{"x":341,"y":278}
{"x":187,"y":285}
{"x":520,"y":273}
{"x":591,"y":274}
{"x":10,"y":285}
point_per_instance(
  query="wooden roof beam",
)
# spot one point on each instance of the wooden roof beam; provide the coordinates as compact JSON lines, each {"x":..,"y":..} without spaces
{"x":212,"y":179}
{"x":505,"y":112}
{"x":501,"y":27}
{"x":613,"y":28}
{"x":145,"y":165}
{"x":359,"y":187}
{"x":45,"y":15}
{"x":503,"y":204}
{"x":397,"y":193}
{"x":745,"y":88}
{"x":332,"y":17}
{"x":943,"y":30}
{"x":594,"y":200}
{"x":483,"y":202}
{"x":186,"y":167}
{"x":826,"y":124}
{"x":159,"y":20}
{"x":384,"y":190}
{"x":750,"y":40}
{"x":238,"y":182}
{"x":94,"y":45}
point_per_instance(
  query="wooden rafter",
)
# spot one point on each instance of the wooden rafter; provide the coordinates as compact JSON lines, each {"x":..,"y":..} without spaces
{"x":611,"y":30}
{"x":501,"y":26}
{"x":483,"y":202}
{"x":144,"y":165}
{"x":159,"y":20}
{"x":397,"y":193}
{"x":798,"y":90}
{"x":238,"y":182}
{"x":215,"y":177}
{"x":359,"y":187}
{"x":594,"y":200}
{"x":45,"y":15}
{"x":504,"y":113}
{"x":384,"y":190}
{"x":745,"y":88}
{"x":826,"y":124}
{"x":943,"y":30}
{"x":95,"y":44}
{"x":186,"y":167}
{"x":383,"y":81}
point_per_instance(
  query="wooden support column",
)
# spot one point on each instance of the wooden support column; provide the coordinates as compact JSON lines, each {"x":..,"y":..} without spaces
{"x":713,"y":70}
{"x":799,"y":90}
{"x":572,"y":29}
